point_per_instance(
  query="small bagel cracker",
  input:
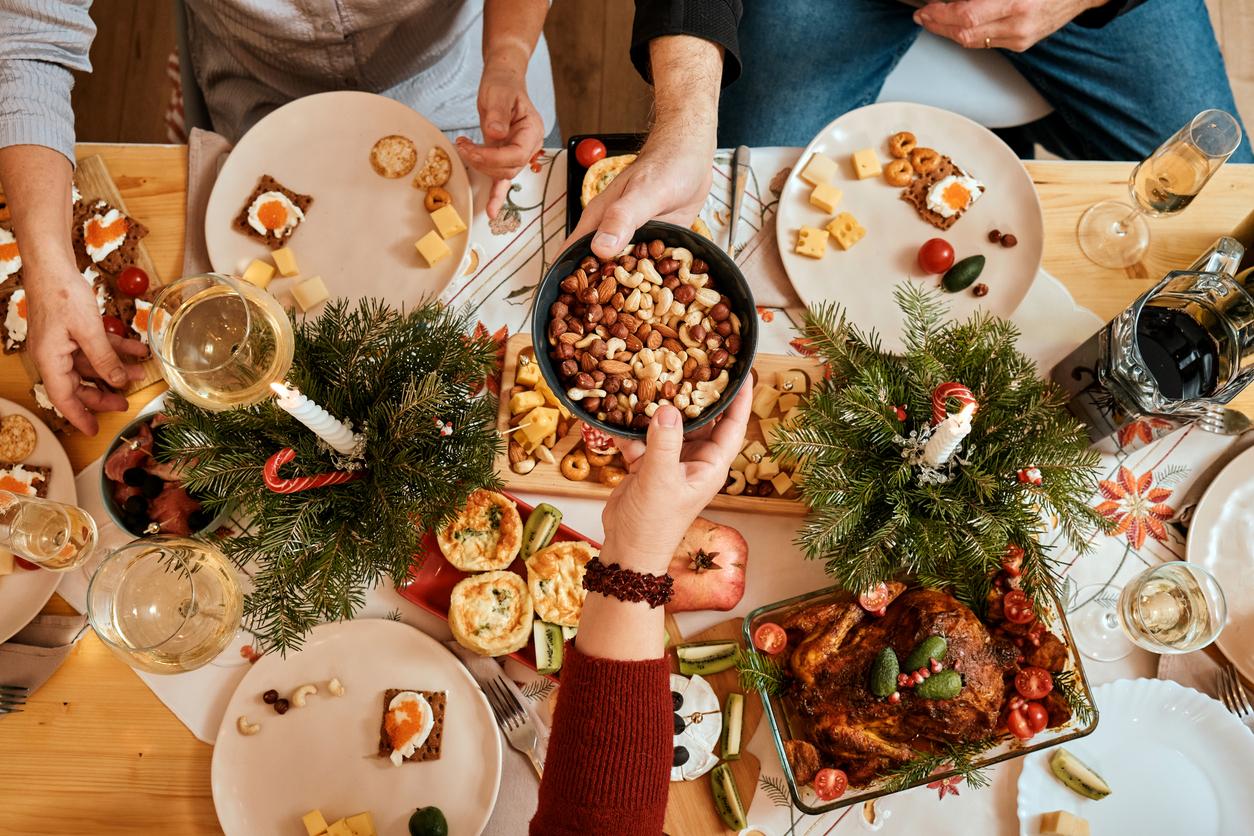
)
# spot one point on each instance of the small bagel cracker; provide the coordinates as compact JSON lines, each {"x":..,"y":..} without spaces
{"x":17,"y":438}
{"x":436,"y":171}
{"x":393,"y":156}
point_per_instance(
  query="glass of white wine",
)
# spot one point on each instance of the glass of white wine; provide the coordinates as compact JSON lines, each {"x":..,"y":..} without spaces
{"x":52,"y":535}
{"x":221,"y":341}
{"x":1115,"y":234}
{"x":166,"y":604}
{"x":1174,"y":607}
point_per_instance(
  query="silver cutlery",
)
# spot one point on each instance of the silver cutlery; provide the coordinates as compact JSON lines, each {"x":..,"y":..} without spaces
{"x":1234,"y":696}
{"x":1219,"y":420}
{"x":1224,"y":421}
{"x":513,"y":719}
{"x":12,"y":698}
{"x":739,"y":174}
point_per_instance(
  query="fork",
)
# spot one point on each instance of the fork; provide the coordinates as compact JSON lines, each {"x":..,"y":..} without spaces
{"x":12,"y":698}
{"x":1224,"y":421}
{"x":1234,"y":696}
{"x":514,"y":720}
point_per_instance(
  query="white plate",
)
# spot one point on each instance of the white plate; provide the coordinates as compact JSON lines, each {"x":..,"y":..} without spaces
{"x":862,"y":279}
{"x":325,"y":756}
{"x":1221,"y":540}
{"x":24,"y":593}
{"x":359,"y":233}
{"x":1177,"y":763}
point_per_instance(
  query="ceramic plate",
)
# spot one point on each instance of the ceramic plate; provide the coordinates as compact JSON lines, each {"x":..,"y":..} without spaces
{"x":862,"y":278}
{"x":359,"y":233}
{"x":1221,"y":539}
{"x":325,"y":756}
{"x":24,"y":593}
{"x":1176,"y":760}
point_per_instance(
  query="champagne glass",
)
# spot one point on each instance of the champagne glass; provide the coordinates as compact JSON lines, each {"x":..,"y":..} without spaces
{"x":52,"y":535}
{"x":1174,"y":607}
{"x":165,"y":604}
{"x":221,"y":341}
{"x":1114,"y":234}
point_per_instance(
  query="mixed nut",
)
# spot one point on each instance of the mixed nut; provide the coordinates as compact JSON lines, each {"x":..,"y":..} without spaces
{"x":647,"y":328}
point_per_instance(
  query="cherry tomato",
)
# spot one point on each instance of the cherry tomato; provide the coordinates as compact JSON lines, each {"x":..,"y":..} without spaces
{"x":830,"y":783}
{"x":875,"y":598}
{"x":588,"y":151}
{"x":1017,"y":722}
{"x":1037,"y":716}
{"x":25,"y":564}
{"x":113,"y":325}
{"x":770,"y":638}
{"x":1033,"y":683}
{"x":936,"y":256}
{"x":1017,"y":607}
{"x":133,"y":281}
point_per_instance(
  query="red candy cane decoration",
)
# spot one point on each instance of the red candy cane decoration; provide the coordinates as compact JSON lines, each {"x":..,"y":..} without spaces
{"x":940,"y":399}
{"x":278,"y":484}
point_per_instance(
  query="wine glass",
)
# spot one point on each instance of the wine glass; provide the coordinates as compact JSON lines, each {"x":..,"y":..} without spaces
{"x":1114,"y":234}
{"x":221,"y":341}
{"x":165,"y":604}
{"x":52,"y":535}
{"x":1174,"y":607}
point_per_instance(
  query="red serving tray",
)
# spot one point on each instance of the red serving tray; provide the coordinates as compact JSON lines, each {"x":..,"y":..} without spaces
{"x":432,"y":577}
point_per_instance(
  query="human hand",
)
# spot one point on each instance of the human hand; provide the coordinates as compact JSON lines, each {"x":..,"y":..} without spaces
{"x":670,"y":481}
{"x":69,"y":345}
{"x":513,"y":130}
{"x":1016,"y":25}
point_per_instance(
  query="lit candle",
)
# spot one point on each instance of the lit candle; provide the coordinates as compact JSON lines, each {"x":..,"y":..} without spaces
{"x":328,"y":428}
{"x":948,"y":435}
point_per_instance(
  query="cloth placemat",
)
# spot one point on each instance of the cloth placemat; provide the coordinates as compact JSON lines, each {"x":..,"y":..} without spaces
{"x":33,"y":655}
{"x":206,"y":151}
{"x":1195,"y":670}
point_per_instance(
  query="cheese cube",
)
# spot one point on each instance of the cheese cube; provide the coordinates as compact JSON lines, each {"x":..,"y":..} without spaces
{"x":259,"y":273}
{"x":820,"y":169}
{"x":6,"y":562}
{"x":769,"y":427}
{"x":811,"y":242}
{"x":825,"y":196}
{"x":787,"y":402}
{"x":867,"y":164}
{"x":448,"y":222}
{"x":285,"y":260}
{"x":432,"y":247}
{"x":1062,"y":823}
{"x":739,"y":463}
{"x":525,"y":401}
{"x":543,"y":388}
{"x":764,"y":399}
{"x":793,"y":414}
{"x":846,"y":230}
{"x":339,"y":828}
{"x":528,"y":374}
{"x":315,"y":824}
{"x":754,"y":451}
{"x":792,"y":380}
{"x":361,"y":824}
{"x":768,"y":468}
{"x":310,"y":293}
{"x":781,"y":483}
{"x":540,"y":423}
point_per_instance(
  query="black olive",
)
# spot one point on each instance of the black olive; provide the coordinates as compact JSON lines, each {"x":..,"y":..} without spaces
{"x":679,"y":724}
{"x":677,"y":700}
{"x":135,"y":523}
{"x":197,"y":520}
{"x":135,"y":476}
{"x":153,"y":485}
{"x":135,"y":505}
{"x":680,"y":757}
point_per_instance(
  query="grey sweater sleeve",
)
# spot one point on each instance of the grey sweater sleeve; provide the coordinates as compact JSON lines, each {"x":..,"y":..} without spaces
{"x":41,"y":42}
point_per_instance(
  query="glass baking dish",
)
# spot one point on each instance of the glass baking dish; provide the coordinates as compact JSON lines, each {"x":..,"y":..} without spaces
{"x":781,"y":717}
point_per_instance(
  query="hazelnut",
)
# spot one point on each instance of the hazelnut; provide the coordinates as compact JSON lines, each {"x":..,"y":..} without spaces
{"x":641,"y":250}
{"x":584,"y":381}
{"x":598,"y":349}
{"x":720,"y":312}
{"x":617,"y":300}
{"x":994,"y":236}
{"x":607,"y":272}
{"x":980,"y":289}
{"x":570,"y":284}
{"x":598,"y":377}
{"x":628,"y":263}
{"x":609,"y":315}
{"x":723,"y":328}
{"x":619,"y":330}
{"x":699,"y":266}
{"x":558,"y":310}
{"x":591,"y":404}
{"x":587,"y":362}
{"x":629,"y":385}
{"x":568,"y":368}
{"x":685,"y":293}
{"x":1009,"y":240}
{"x":574,"y":326}
{"x":719,"y":358}
{"x":613,"y":384}
{"x":670,"y":282}
{"x":704,"y":373}
{"x":566,"y":298}
{"x":655,"y":340}
{"x":589,"y":263}
{"x":713,"y":341}
{"x":617,"y":416}
{"x":666,"y":266}
{"x":593,"y":314}
{"x":656,"y":248}
{"x":640,"y":422}
{"x":732,"y":343}
{"x":565,"y":351}
{"x":589,"y":296}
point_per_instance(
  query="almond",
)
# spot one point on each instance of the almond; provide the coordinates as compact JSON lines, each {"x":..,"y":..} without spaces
{"x":614,"y":367}
{"x":665,"y":330}
{"x":606,"y":290}
{"x":647,"y":391}
{"x":516,"y":453}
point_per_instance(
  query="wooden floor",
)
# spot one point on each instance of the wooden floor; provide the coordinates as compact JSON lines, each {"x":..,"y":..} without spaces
{"x":125,"y":98}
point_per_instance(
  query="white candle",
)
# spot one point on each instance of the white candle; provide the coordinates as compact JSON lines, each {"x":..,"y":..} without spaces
{"x":316,"y":418}
{"x":948,"y":435}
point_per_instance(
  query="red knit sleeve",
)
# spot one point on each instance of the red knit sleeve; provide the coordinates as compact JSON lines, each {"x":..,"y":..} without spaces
{"x":609,"y":756}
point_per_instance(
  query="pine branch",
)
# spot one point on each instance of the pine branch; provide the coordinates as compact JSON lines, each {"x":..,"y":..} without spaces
{"x":759,"y":672}
{"x":1067,"y":683}
{"x":954,"y":758}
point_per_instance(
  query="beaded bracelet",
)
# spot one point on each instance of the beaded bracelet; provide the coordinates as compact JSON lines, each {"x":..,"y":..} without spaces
{"x":626,"y":585}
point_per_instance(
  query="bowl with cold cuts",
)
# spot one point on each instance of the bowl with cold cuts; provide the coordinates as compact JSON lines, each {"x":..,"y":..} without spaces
{"x":144,"y":495}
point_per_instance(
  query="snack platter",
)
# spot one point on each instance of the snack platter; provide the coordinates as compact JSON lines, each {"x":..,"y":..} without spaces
{"x":547,"y":477}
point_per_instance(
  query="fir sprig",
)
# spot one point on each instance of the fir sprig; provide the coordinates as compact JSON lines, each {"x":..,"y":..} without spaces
{"x":1067,"y":684}
{"x":392,"y":374}
{"x":872,"y":519}
{"x":955,"y":758}
{"x":759,"y":672}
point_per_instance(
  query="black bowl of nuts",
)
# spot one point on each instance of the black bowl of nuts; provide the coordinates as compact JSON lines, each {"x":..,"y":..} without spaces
{"x":670,"y":320}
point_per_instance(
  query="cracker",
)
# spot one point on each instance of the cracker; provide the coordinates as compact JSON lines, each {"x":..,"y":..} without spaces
{"x":916,"y":193}
{"x":119,"y":259}
{"x":17,"y":438}
{"x":42,"y":473}
{"x":429,"y":751}
{"x":268,"y":184}
{"x":393,"y":156}
{"x":10,"y":345}
{"x":436,"y":171}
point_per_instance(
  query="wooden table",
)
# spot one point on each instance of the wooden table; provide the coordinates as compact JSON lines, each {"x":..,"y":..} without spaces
{"x":95,"y":751}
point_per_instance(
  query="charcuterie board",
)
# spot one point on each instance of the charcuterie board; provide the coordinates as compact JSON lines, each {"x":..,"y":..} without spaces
{"x":547,"y":476}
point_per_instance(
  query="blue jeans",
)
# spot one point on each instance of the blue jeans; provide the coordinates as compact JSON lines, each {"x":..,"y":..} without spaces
{"x":1117,"y":91}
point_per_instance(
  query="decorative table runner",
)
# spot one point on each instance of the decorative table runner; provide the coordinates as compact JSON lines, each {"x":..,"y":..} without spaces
{"x":509,"y":255}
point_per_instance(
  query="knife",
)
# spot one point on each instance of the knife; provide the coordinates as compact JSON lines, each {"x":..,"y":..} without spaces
{"x":740,"y":172}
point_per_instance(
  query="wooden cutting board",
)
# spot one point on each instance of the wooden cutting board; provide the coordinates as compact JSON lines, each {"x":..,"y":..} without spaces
{"x":690,"y":810}
{"x":94,"y":183}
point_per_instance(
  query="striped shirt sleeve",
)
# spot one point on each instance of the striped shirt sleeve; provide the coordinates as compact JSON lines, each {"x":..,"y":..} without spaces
{"x":41,"y":43}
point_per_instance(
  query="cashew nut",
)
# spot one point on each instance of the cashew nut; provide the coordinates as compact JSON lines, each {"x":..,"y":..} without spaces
{"x":246,"y":728}
{"x":735,"y":321}
{"x":682,"y":400}
{"x":719,"y":383}
{"x":587,"y":340}
{"x":336,"y":688}
{"x":649,"y":409}
{"x":737,"y":486}
{"x":545,"y":455}
{"x":523,"y":467}
{"x":682,"y":254}
{"x":693,"y":411}
{"x":650,"y":272}
{"x":298,"y":696}
{"x":614,"y":345}
{"x":693,"y":317}
{"x":685,"y":337}
{"x":707,"y":298}
{"x":632,"y":302}
{"x":577,"y":394}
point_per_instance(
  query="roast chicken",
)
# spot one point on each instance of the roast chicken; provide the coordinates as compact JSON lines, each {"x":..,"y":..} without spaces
{"x":843,"y":724}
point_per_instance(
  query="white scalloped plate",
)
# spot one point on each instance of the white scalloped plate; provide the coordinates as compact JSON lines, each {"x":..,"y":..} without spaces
{"x":1177,"y":762}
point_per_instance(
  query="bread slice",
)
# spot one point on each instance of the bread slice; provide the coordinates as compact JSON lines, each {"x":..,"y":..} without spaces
{"x":916,"y":193}
{"x":393,"y":156}
{"x":269,"y":184}
{"x":116,"y":261}
{"x":429,"y":751}
{"x":40,"y":482}
{"x":11,"y":344}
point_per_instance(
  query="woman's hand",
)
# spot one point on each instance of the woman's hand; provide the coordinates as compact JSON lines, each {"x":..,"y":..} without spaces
{"x":512,"y":129}
{"x":670,"y":481}
{"x":1016,"y":25}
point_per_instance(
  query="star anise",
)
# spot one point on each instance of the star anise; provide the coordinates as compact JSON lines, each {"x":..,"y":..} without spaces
{"x":702,"y":561}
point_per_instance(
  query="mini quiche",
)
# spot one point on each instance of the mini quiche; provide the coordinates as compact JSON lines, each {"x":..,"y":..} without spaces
{"x":555,"y":580}
{"x":486,"y":535}
{"x":491,"y":613}
{"x":601,"y":173}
